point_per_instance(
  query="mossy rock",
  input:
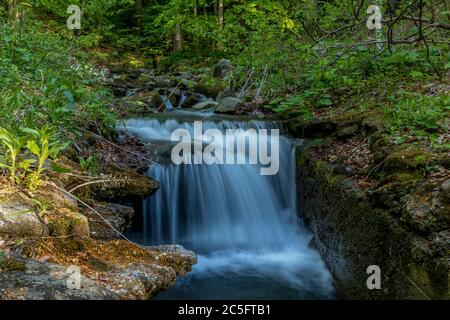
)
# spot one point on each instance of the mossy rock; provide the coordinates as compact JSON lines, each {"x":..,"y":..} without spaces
{"x":407,"y":158}
{"x":68,"y":223}
{"x":210,"y":87}
{"x":9,"y":264}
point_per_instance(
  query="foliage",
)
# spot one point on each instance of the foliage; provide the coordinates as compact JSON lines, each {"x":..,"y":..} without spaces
{"x":25,"y":153}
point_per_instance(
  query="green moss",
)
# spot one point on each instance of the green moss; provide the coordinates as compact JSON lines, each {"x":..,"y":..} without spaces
{"x":407,"y":158}
{"x":210,"y":86}
{"x":11,"y":264}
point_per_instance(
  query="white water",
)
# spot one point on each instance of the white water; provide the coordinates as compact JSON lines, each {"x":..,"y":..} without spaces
{"x":243,"y":225}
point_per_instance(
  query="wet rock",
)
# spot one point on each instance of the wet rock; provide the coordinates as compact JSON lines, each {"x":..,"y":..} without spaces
{"x":26,"y":279}
{"x":228,"y":105}
{"x":116,"y":215}
{"x":205,"y":105}
{"x":192,"y":99}
{"x":222,"y":69}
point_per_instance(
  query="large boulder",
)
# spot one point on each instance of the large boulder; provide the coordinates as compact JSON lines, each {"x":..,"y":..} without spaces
{"x":26,"y":279}
{"x":222,"y":69}
{"x":229,"y":105}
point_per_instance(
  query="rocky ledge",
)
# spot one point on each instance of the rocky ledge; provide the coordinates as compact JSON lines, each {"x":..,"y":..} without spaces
{"x":63,"y":240}
{"x":371,"y":202}
{"x":117,"y":270}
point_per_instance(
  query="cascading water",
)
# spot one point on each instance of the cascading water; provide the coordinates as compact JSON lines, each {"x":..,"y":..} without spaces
{"x":167,"y":103}
{"x":243,"y":225}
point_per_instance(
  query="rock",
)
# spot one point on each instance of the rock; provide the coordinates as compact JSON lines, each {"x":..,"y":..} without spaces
{"x":162,"y":82}
{"x":192,"y":99}
{"x":117,"y":215}
{"x":65,"y":222}
{"x":18,"y":218}
{"x":228,"y":105}
{"x":187,"y":83}
{"x":225,"y":94}
{"x":125,"y":183}
{"x":445,"y":190}
{"x":205,"y":105}
{"x":26,"y":279}
{"x":403,"y":158}
{"x":119,"y":268}
{"x":311,"y":129}
{"x":138,"y":104}
{"x":222,"y":69}
{"x":211,"y":87}
{"x":151,"y":98}
{"x":181,"y":259}
{"x":146,"y":79}
{"x":347,"y":129}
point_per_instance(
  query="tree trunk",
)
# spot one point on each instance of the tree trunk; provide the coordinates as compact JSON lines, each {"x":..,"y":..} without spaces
{"x":178,"y":40}
{"x":220,"y":11}
{"x":138,"y":15}
{"x":12,"y":11}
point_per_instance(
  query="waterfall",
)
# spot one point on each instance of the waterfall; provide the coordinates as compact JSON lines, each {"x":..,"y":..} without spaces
{"x":243,"y":225}
{"x":168,"y":104}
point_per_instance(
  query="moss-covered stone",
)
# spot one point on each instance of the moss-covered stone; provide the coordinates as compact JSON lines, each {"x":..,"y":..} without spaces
{"x":407,"y":158}
{"x":9,"y":264}
{"x":210,"y":87}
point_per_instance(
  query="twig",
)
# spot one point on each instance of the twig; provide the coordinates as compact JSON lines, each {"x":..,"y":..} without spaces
{"x":119,"y":147}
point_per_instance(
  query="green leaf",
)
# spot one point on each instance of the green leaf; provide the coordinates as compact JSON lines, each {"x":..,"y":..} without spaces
{"x":325,"y":102}
{"x":33,"y":147}
{"x":59,"y":169}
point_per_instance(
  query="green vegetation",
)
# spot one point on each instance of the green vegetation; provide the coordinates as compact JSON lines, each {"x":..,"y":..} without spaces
{"x":30,"y":147}
{"x":294,"y":59}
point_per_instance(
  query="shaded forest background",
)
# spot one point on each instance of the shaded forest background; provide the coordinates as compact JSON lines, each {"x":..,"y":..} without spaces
{"x":293,"y":59}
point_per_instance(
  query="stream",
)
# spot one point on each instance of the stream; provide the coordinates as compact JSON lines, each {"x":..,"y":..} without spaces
{"x":242,"y":225}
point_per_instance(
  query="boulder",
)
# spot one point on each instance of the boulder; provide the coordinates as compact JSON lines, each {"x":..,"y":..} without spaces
{"x":116,"y":215}
{"x":228,"y":105}
{"x":124,"y":183}
{"x":210,"y":87}
{"x":26,"y":279}
{"x":222,"y":69}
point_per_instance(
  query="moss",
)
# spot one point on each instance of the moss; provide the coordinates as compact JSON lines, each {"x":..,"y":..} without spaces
{"x":210,"y":86}
{"x":11,"y":264}
{"x":409,"y":158}
{"x":67,"y":223}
